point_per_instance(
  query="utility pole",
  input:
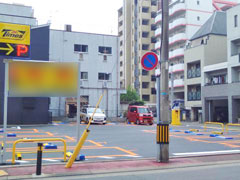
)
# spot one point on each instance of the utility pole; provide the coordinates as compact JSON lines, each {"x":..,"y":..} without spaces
{"x":163,"y":111}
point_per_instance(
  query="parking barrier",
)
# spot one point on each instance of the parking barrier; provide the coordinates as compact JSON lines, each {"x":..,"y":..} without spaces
{"x":214,"y":123}
{"x":39,"y":140}
{"x":230,"y":124}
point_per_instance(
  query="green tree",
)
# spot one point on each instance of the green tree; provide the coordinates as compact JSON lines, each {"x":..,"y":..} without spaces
{"x":131,"y":97}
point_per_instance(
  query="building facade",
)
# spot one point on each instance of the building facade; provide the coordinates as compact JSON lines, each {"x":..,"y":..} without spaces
{"x":136,"y":37}
{"x":99,"y":66}
{"x":201,"y":51}
{"x":25,"y":110}
{"x":185,"y":18}
{"x":221,"y":98}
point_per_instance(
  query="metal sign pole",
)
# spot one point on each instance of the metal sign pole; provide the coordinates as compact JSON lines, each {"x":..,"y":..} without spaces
{"x":78,"y":103}
{"x":4,"y":145}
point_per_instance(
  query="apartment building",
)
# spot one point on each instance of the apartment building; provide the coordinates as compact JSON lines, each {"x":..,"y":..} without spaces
{"x":185,"y":18}
{"x":208,"y":46}
{"x":136,"y":37}
{"x":99,"y":64}
{"x":221,"y":82}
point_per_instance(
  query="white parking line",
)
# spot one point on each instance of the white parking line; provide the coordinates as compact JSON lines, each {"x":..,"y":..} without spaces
{"x":21,"y":161}
{"x":206,"y":153}
{"x":51,"y":160}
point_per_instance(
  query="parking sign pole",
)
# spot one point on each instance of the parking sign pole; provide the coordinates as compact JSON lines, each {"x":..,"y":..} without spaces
{"x":78,"y":103}
{"x":3,"y":149}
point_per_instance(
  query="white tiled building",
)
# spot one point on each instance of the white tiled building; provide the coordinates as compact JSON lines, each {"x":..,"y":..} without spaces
{"x":98,"y":55}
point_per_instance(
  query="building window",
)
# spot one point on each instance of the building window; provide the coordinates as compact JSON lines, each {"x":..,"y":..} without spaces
{"x":144,"y":72}
{"x":236,"y":21}
{"x":145,"y":22}
{"x":153,"y":27}
{"x":104,"y":76}
{"x":198,"y":2}
{"x":121,"y":53}
{"x":145,"y":85}
{"x":145,"y":34}
{"x":121,"y":43}
{"x":121,"y":74}
{"x":153,"y":78}
{"x":105,"y":50}
{"x":145,"y":9}
{"x":145,"y":47}
{"x":198,"y":18}
{"x":153,"y":91}
{"x":80,"y":48}
{"x":193,"y":70}
{"x":217,"y":79}
{"x":153,"y":2}
{"x":153,"y":14}
{"x":194,"y":93}
{"x":84,"y":75}
{"x":121,"y":63}
{"x":145,"y":97}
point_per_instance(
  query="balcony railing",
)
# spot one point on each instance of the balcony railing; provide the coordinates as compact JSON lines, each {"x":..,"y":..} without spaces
{"x":194,"y":73}
{"x":157,"y":45}
{"x":178,"y":68}
{"x":158,"y":18}
{"x":177,"y":83}
{"x":194,"y":96}
{"x":158,"y":32}
{"x":176,"y":53}
{"x":178,"y":22}
{"x":176,"y":8}
{"x":177,"y":38}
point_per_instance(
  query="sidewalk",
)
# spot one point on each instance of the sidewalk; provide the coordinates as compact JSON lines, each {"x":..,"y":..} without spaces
{"x":90,"y":168}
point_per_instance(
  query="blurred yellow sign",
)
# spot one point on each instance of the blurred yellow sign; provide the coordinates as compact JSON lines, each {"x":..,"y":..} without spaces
{"x":14,"y":33}
{"x":42,"y":79}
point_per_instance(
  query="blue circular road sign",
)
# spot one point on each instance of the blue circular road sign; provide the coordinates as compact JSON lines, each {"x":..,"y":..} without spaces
{"x":149,"y":61}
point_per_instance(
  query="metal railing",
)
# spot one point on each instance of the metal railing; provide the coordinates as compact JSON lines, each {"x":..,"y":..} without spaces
{"x":214,"y":123}
{"x":39,"y":140}
{"x":230,"y":124}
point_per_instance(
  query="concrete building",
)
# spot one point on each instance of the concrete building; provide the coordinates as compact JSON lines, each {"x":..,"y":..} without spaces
{"x":17,"y":13}
{"x":221,"y":82}
{"x":98,"y":55}
{"x":136,"y":37}
{"x":207,"y":47}
{"x":186,"y":17}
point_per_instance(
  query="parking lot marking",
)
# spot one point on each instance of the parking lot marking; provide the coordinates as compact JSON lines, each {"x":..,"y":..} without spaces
{"x":126,"y":151}
{"x":35,"y":130}
{"x":70,"y":138}
{"x":97,"y":144}
{"x":3,"y":173}
{"x":50,"y":134}
{"x":206,"y":153}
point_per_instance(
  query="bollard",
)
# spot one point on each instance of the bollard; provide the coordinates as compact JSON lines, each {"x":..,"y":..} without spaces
{"x":39,"y":159}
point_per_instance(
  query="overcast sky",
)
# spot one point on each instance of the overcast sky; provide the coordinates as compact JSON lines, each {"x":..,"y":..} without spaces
{"x":96,"y":16}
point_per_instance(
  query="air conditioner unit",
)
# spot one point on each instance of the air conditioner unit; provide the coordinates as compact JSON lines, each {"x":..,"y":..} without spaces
{"x":104,"y":84}
{"x":80,"y":56}
{"x":104,"y":57}
{"x":81,"y":83}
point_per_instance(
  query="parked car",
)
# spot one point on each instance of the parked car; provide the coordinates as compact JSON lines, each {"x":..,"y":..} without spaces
{"x":87,"y":112}
{"x":139,"y":115}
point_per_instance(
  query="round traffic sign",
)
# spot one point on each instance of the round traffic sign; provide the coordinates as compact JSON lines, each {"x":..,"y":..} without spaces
{"x":149,"y":61}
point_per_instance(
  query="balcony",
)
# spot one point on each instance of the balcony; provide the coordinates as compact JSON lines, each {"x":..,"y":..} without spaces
{"x":158,"y":32}
{"x":176,"y":9}
{"x":177,"y":83}
{"x":158,"y":18}
{"x":157,"y":45}
{"x":177,"y":23}
{"x":176,"y":53}
{"x":177,"y":38}
{"x":177,"y":68}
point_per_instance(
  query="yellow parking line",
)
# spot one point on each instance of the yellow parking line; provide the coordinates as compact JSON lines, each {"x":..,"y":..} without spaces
{"x":50,"y":134}
{"x":3,"y":173}
{"x":70,"y":138}
{"x":126,"y":151}
{"x":97,"y":144}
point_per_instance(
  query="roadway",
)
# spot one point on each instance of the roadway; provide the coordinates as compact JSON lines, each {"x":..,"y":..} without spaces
{"x":119,"y":141}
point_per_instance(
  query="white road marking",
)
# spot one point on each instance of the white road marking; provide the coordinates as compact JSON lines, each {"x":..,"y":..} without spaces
{"x":51,"y":160}
{"x":107,"y":157}
{"x":21,"y":161}
{"x":133,"y":156}
{"x":206,"y":153}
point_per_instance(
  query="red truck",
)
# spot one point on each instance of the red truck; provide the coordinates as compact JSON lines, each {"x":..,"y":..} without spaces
{"x":139,"y":115}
